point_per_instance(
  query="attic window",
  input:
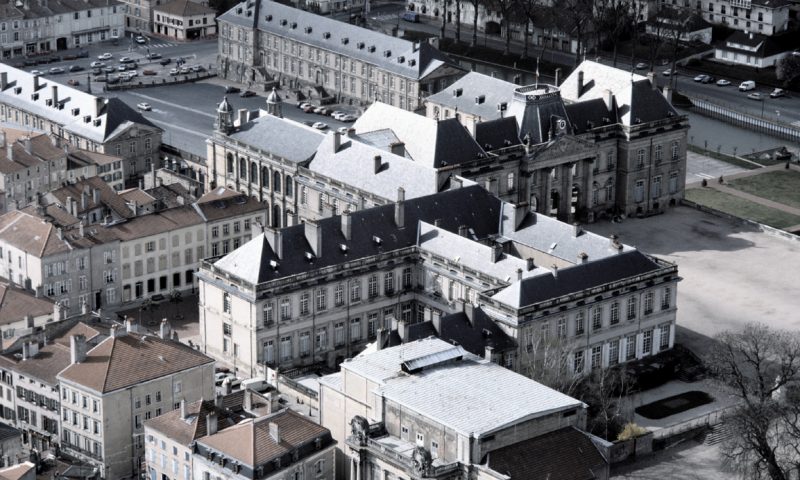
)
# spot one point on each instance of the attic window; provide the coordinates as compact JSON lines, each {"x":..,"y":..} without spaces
{"x":360,"y":45}
{"x":96,"y":122}
{"x":457,"y":92}
{"x":401,"y":59}
{"x":308,"y":29}
{"x":268,"y":18}
{"x":376,"y":240}
{"x":87,"y":118}
{"x":61,"y":106}
{"x":343,"y":247}
{"x":326,"y":35}
{"x":249,"y":13}
{"x":49,"y":102}
{"x":17,"y":90}
{"x":273,"y":264}
{"x":412,"y":62}
{"x":387,"y":53}
{"x":239,"y":11}
{"x":371,"y":49}
{"x":309,"y":256}
{"x":480,"y":99}
{"x":345,"y":41}
{"x":502,"y":106}
{"x":293,"y":25}
{"x":76,"y":112}
{"x":284,"y":22}
{"x":34,"y":96}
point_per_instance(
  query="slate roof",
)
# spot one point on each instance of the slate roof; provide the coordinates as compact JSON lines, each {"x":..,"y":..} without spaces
{"x":498,"y":133}
{"x":15,"y":303}
{"x":576,"y":278}
{"x":635,"y":97}
{"x":418,"y":60}
{"x":354,"y":164}
{"x":250,"y":442}
{"x":108,"y":117}
{"x":281,"y":137}
{"x":766,"y":46}
{"x":432,"y":143}
{"x":476,"y":334}
{"x":471,"y":86}
{"x":459,"y":394}
{"x":590,"y":114}
{"x":185,"y":430}
{"x":472,"y":206}
{"x":184,"y":8}
{"x":129,"y":359}
{"x":565,"y":454}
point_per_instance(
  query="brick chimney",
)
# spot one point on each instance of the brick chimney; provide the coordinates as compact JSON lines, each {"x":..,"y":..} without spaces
{"x":77,"y":349}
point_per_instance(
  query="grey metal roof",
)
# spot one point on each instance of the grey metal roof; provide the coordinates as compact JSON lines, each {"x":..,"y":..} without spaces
{"x":107,"y":118}
{"x":462,"y":95}
{"x":537,"y":109}
{"x":430,"y":142}
{"x":402,"y":57}
{"x":354,"y":164}
{"x":282,"y":137}
{"x":497,"y":133}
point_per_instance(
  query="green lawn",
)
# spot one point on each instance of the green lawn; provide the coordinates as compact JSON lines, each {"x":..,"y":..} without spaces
{"x":741,"y":208}
{"x":781,"y":186}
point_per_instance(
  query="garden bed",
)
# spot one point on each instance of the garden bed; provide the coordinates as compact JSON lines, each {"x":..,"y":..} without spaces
{"x":675,"y":404}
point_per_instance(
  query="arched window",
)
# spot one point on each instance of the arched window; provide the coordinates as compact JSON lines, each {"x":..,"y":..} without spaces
{"x":276,"y":181}
{"x":276,"y":216}
{"x":243,"y":168}
{"x":230,"y":164}
{"x":265,"y":177}
{"x":253,"y":172}
{"x":289,"y":186}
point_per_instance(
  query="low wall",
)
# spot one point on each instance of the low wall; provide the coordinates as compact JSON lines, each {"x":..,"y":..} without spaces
{"x":713,"y":110}
{"x":623,"y":450}
{"x":760,"y":226}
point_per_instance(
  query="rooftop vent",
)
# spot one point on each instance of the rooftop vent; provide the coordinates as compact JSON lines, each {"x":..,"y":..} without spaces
{"x":308,"y":29}
{"x":249,"y":13}
{"x":326,"y":35}
{"x":96,"y":122}
{"x":480,"y":99}
{"x":502,"y":107}
{"x":35,"y":96}
{"x":345,"y":40}
{"x":239,"y":11}
{"x":268,"y":18}
{"x":48,"y":102}
{"x":17,"y":90}
{"x":87,"y":118}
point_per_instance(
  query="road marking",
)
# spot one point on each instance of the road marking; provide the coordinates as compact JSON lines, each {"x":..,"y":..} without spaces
{"x":154,"y":99}
{"x":701,"y":175}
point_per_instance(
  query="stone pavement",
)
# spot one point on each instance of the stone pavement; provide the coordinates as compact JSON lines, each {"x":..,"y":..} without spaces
{"x":690,"y":460}
{"x":722,"y":400}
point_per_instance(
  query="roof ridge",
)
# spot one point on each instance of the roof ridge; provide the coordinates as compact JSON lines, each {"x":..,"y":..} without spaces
{"x":108,"y":363}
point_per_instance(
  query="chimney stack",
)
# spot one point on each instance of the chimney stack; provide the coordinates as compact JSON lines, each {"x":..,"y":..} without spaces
{"x":314,"y":237}
{"x":380,"y":338}
{"x":77,"y":348}
{"x":488,"y":353}
{"x":164,"y":329}
{"x":519,"y":274}
{"x":275,"y":240}
{"x":10,"y":151}
{"x":351,"y":132}
{"x":529,"y":264}
{"x":608,"y":98}
{"x":96,"y":196}
{"x":399,"y":208}
{"x":347,"y":225}
{"x":36,"y":83}
{"x":583,"y":257}
{"x":469,"y":311}
{"x":378,"y":163}
{"x":652,"y":77}
{"x":2,"y":137}
{"x":3,"y":80}
{"x":398,"y":148}
{"x":26,"y":143}
{"x":497,"y":252}
{"x":211,"y":423}
{"x":555,"y":271}
{"x":337,"y":141}
{"x":54,"y":90}
{"x":580,"y":84}
{"x":84,"y":200}
{"x":26,"y":352}
{"x":33,"y":348}
{"x":463,"y":230}
{"x":520,"y":212}
{"x":81,"y":229}
{"x":576,"y":230}
{"x":183,"y":408}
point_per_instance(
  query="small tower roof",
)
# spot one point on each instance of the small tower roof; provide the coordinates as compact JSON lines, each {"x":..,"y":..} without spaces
{"x":273,"y":96}
{"x":224,"y":106}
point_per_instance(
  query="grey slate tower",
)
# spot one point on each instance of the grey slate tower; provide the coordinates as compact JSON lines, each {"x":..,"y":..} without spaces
{"x":224,"y":121}
{"x":540,"y":113}
{"x":274,"y":103}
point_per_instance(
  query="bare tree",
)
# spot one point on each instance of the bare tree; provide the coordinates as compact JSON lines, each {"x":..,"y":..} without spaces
{"x":760,"y":365}
{"x":574,"y":17}
{"x":544,"y":359}
{"x":612,"y":19}
{"x":458,"y":21}
{"x":606,"y":392}
{"x":504,"y":8}
{"x":530,"y":11}
{"x":476,"y":4}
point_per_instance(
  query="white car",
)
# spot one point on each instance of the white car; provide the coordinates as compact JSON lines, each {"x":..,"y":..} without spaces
{"x":343,"y":130}
{"x":755,"y":96}
{"x":140,"y":40}
{"x":348,"y":118}
{"x":36,"y":72}
{"x":668,"y":72}
{"x":97,"y":64}
{"x":778,"y":92}
{"x":320,"y":125}
{"x":723,"y":83}
{"x":132,"y":73}
{"x":641,"y":66}
{"x":700,"y":77}
{"x":105,"y":56}
{"x":144,"y":106}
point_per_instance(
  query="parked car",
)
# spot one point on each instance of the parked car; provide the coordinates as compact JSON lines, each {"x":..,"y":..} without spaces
{"x":700,"y":77}
{"x":165,"y":62}
{"x":72,"y":82}
{"x":97,"y":64}
{"x":122,"y":68}
{"x":308,"y":108}
{"x":321,"y":110}
{"x":153,"y":56}
{"x":247,"y":93}
{"x":157,"y":297}
{"x":755,"y":96}
{"x":197,"y":68}
{"x":348,"y":118}
{"x":220,"y":377}
{"x":668,"y":72}
{"x":232,"y":89}
{"x":708,"y":79}
{"x":36,"y":72}
{"x":337,"y":113}
{"x":127,"y":60}
{"x":132,"y":73}
{"x":105,"y":56}
{"x":112,"y":79}
{"x":747,"y":85}
{"x":778,"y":92}
{"x":412,"y":17}
{"x":109,"y":69}
{"x":174,"y":71}
{"x":100,"y":78}
{"x":308,"y":124}
{"x":641,"y":66}
{"x":140,"y":40}
{"x":56,"y":70}
{"x":343,"y":130}
{"x":723,"y":83}
{"x":75,"y":68}
{"x":302,"y":105}
{"x":320,"y":125}
{"x":149,"y":72}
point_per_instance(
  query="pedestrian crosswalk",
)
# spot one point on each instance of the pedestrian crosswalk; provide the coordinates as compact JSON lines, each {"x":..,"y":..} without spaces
{"x":159,"y":45}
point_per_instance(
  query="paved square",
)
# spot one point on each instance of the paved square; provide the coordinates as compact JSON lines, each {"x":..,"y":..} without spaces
{"x":732,"y":274}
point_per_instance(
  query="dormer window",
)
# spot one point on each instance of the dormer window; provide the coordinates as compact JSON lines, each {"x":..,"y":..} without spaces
{"x":326,"y":35}
{"x":76,"y":112}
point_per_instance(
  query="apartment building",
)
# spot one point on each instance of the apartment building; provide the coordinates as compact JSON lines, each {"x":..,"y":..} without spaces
{"x":185,"y":20}
{"x":263,"y":43}
{"x":21,"y":311}
{"x":29,"y":167}
{"x":316,"y":293}
{"x":603,"y":143}
{"x":281,"y":445}
{"x":36,"y":27}
{"x":764,"y":17}
{"x":108,"y":391}
{"x":430,"y":409}
{"x":79,"y":119}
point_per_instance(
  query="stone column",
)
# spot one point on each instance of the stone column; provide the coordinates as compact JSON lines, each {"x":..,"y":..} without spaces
{"x":565,"y":200}
{"x":548,"y":186}
{"x":589,"y":165}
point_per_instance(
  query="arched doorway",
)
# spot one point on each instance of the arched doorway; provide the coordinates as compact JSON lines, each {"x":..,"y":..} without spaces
{"x":534,"y":203}
{"x":276,"y":216}
{"x":555,"y":200}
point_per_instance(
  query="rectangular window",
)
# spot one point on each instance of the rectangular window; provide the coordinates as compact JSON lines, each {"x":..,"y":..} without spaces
{"x":597,"y":356}
{"x":268,"y":314}
{"x":388,"y":283}
{"x":304,"y":303}
{"x":666,"y":298}
{"x":338,"y":334}
{"x":631,"y":308}
{"x":404,"y":432}
{"x":338,"y":295}
{"x":305,"y":344}
{"x":226,"y":302}
{"x":614,"y":313}
{"x":613,"y":352}
{"x":321,"y":299}
{"x":286,"y":348}
{"x":322,"y":338}
{"x":577,"y":362}
{"x":648,"y":302}
{"x":373,"y":286}
{"x":630,"y":348}
{"x":647,"y":342}
{"x":579,"y":323}
{"x":355,"y":291}
{"x":663,"y":340}
{"x":597,"y":318}
{"x":286,"y":309}
{"x":355,"y":329}
{"x":561,"y":327}
{"x":372,"y":324}
{"x":407,"y":277}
